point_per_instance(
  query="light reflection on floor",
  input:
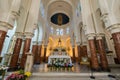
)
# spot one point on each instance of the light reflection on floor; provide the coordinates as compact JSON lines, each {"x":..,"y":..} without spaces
{"x":75,"y":69}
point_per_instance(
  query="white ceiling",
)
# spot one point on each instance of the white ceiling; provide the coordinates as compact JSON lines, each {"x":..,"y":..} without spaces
{"x":59,"y":6}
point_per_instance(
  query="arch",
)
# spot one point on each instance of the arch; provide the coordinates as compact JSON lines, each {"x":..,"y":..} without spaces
{"x":60,"y":11}
{"x":67,"y":1}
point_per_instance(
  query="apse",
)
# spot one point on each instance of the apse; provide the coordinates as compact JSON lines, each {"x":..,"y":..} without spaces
{"x":60,"y":19}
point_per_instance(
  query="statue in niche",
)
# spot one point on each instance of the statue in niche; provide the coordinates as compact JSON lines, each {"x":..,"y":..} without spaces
{"x":60,"y":19}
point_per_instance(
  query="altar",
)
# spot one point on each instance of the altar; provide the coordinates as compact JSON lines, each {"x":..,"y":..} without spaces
{"x":65,"y":58}
{"x":59,"y":57}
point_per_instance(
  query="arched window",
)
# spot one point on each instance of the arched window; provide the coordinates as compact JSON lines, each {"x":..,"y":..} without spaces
{"x":67,"y":30}
{"x":57,"y":31}
{"x":61,"y":31}
{"x":52,"y":30}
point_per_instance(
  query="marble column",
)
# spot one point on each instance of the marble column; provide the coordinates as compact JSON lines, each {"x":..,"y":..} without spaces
{"x":38,"y":57}
{"x":79,"y":56}
{"x":15,"y":56}
{"x":34,"y":51}
{"x":45,"y":50}
{"x":94,"y":58}
{"x":2,"y":38}
{"x":73,"y":49}
{"x":101,"y":50}
{"x":112,"y":24}
{"x":84,"y":51}
{"x":116,"y":39}
{"x":8,"y":14}
{"x":26,"y":49}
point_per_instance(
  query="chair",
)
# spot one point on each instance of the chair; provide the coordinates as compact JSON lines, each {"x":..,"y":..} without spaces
{"x":85,"y":61}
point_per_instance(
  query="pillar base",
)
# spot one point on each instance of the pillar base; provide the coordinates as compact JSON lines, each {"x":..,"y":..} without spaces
{"x":37,"y":63}
{"x":11,"y":69}
{"x":106,"y":70}
{"x":95,"y":69}
{"x":14,"y":69}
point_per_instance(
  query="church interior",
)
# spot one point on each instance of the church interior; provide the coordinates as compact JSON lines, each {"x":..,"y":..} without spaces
{"x":60,"y":39}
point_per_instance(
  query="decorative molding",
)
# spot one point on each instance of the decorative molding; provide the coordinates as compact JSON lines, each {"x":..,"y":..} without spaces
{"x":35,"y":42}
{"x":5,"y":26}
{"x":19,"y":34}
{"x":45,"y":45}
{"x":99,"y":35}
{"x":84,"y":43}
{"x":16,"y":14}
{"x":91,"y":36}
{"x":40,"y":42}
{"x":73,"y":46}
{"x":78,"y":43}
{"x":105,"y":19}
{"x":114,"y":28}
{"x":28,"y":34}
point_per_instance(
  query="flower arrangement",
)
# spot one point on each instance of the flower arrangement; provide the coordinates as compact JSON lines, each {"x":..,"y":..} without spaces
{"x":19,"y":75}
{"x":60,"y":63}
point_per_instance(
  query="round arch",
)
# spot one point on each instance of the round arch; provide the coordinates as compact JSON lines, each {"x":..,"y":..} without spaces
{"x":67,"y":1}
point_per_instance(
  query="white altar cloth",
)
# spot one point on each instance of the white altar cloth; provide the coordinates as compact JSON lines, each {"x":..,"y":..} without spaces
{"x":59,"y":57}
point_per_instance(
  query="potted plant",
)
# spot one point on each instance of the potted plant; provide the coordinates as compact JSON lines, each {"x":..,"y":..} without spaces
{"x":19,"y":75}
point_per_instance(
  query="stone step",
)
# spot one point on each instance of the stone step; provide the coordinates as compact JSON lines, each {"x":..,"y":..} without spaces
{"x":70,"y":74}
{"x":114,"y":65}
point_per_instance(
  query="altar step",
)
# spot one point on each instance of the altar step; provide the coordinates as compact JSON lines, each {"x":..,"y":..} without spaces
{"x":70,"y":76}
{"x":79,"y":72}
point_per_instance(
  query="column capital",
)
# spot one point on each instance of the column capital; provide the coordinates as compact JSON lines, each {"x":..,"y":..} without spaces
{"x":35,"y":42}
{"x":40,"y":42}
{"x":114,"y":28}
{"x":18,"y":34}
{"x":45,"y":46}
{"x":99,"y":35}
{"x":91,"y":36}
{"x":28,"y":34}
{"x":73,"y":46}
{"x":5,"y":26}
{"x":8,"y":23}
{"x":78,"y":43}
